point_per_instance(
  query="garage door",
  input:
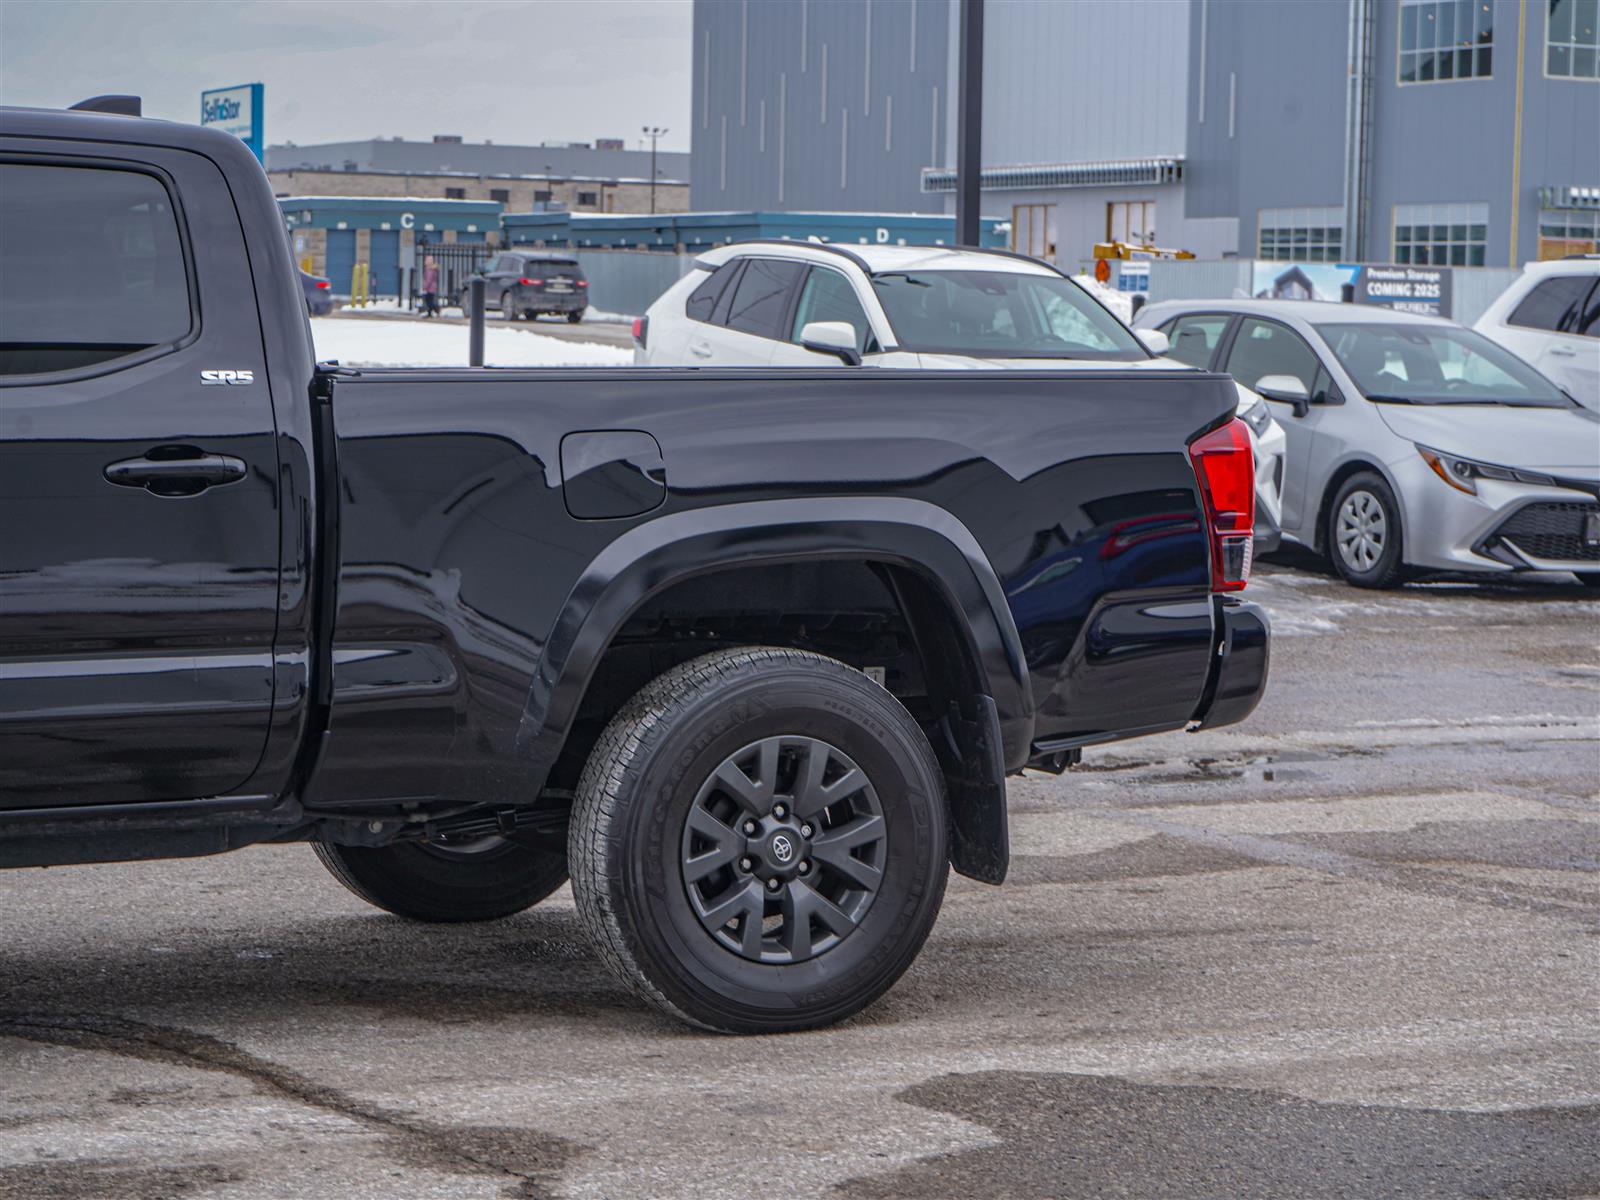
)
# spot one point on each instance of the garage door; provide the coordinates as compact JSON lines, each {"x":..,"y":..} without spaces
{"x":341,"y":259}
{"x":386,"y":262}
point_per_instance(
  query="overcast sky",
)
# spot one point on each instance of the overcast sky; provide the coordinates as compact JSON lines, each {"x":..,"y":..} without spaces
{"x":518,"y":71}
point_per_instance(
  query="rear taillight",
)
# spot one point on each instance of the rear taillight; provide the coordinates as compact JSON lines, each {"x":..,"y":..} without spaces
{"x":531,"y":282}
{"x":1226,"y":470}
{"x":641,"y":330}
{"x":323,"y":283}
{"x":583,"y":283}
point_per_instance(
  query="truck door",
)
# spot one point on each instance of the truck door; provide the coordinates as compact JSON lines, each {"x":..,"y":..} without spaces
{"x":139,"y":530}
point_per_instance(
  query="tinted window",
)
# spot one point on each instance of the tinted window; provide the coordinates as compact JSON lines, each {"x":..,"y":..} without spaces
{"x":91,"y":267}
{"x":704,"y":298}
{"x":1267,"y":348}
{"x":1000,"y":314}
{"x":762,"y":297}
{"x":1553,"y":303}
{"x":1590,"y":326}
{"x":1194,"y":338}
{"x":828,"y":296}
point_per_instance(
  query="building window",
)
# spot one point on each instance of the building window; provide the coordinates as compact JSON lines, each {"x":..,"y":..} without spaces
{"x":455,"y":193}
{"x":1132,"y":222}
{"x":543,"y":196}
{"x":588,"y":199}
{"x":1441,"y":235}
{"x":1446,"y":39}
{"x":1300,"y":234}
{"x":1568,"y":231}
{"x":1572,"y":39}
{"x":1033,"y":230}
{"x":501,"y":194}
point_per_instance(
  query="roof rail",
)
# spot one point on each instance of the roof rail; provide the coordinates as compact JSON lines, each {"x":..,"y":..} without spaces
{"x":121,"y":106}
{"x":804,"y":242}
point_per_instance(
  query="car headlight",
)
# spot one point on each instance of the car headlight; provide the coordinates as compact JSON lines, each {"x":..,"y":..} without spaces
{"x":1462,"y":473}
{"x":1258,"y":416}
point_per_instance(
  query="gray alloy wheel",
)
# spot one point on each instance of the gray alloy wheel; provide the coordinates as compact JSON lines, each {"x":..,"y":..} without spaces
{"x":782,"y":849}
{"x":758,"y":841}
{"x":1362,"y":529}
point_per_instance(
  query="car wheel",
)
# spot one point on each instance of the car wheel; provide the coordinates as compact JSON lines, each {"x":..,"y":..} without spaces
{"x":475,"y":880}
{"x":508,"y":305}
{"x":1365,"y":540}
{"x":575,"y":317}
{"x":758,"y":841}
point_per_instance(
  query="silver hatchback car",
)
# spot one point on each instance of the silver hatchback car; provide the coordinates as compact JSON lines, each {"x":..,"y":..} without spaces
{"x":1413,"y":443}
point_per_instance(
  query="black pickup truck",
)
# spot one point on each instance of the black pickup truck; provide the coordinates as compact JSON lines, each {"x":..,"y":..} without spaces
{"x":747,"y":654}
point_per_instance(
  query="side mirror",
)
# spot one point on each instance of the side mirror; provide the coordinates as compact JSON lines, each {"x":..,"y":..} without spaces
{"x":837,"y":338}
{"x":1285,"y":389}
{"x":1154,"y":340}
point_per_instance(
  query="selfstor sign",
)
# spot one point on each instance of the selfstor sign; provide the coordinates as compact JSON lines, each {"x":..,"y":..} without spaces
{"x":235,"y":110}
{"x":1423,"y":290}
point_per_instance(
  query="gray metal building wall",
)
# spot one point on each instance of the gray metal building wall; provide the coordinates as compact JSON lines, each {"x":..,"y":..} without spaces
{"x":1266,"y":106}
{"x":1266,"y":122}
{"x":817,"y":104}
{"x":1453,"y":142}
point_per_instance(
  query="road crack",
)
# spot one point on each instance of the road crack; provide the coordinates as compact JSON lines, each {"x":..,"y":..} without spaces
{"x":528,"y":1160}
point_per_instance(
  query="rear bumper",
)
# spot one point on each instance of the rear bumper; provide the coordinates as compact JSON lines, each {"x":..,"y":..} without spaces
{"x":555,"y":301}
{"x":1241,"y":670}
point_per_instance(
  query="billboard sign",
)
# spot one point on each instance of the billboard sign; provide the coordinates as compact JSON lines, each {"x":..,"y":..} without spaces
{"x":235,"y":110}
{"x":1424,"y":290}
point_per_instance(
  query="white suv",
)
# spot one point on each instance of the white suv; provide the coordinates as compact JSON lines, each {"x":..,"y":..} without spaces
{"x":1550,"y":317}
{"x":810,"y":304}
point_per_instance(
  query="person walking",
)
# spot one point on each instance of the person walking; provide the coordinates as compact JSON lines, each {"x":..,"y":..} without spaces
{"x":430,"y":288}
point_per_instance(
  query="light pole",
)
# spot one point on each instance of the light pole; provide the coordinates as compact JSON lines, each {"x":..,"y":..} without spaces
{"x":653,"y":132}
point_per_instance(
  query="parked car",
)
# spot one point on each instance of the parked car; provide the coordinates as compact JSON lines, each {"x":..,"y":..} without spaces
{"x":747,"y":654}
{"x":1550,"y":316}
{"x":813,"y":304}
{"x":522,"y":283}
{"x":319,"y":294}
{"x":1412,"y":442}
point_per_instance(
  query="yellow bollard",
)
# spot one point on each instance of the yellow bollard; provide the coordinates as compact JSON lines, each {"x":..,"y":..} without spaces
{"x":358,"y":286}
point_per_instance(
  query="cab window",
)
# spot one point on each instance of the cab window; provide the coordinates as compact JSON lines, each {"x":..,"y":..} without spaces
{"x":828,"y":296}
{"x":1194,"y":339}
{"x":1267,"y":348}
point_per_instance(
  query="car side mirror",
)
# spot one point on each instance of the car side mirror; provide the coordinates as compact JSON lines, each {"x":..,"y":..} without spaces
{"x":837,"y":338}
{"x":1285,"y":389}
{"x":1154,"y":340}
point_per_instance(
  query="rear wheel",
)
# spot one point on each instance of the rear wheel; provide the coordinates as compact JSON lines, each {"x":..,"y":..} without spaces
{"x":575,"y":316}
{"x":508,"y":306}
{"x":1365,"y":540}
{"x":476,"y":880}
{"x":758,"y":841}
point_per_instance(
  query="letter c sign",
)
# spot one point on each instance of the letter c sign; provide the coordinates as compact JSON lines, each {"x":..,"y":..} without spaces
{"x":408,"y":220}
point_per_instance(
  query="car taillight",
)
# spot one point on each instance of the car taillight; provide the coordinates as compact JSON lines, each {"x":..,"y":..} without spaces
{"x":583,"y":283}
{"x":1225,"y":468}
{"x":641,"y":330}
{"x":531,"y":282}
{"x":323,"y":283}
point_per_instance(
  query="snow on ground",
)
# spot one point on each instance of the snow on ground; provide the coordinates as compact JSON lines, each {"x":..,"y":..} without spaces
{"x":357,"y":343}
{"x":1120,"y":303}
{"x":390,"y":306}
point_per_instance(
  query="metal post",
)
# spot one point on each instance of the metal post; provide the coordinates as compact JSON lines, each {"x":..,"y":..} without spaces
{"x":475,"y":322}
{"x":969,"y":125}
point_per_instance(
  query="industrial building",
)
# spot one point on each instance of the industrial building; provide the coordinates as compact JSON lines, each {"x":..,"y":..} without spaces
{"x":1448,"y":132}
{"x":603,"y":177}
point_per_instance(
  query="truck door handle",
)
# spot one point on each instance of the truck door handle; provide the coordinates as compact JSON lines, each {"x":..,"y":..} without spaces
{"x":176,"y":471}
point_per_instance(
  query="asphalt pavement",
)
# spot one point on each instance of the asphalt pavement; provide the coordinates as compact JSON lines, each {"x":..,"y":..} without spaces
{"x":1345,"y":949}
